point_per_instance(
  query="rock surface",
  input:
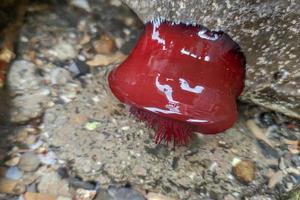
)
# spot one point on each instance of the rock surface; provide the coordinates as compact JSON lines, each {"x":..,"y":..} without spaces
{"x":267,"y":31}
{"x":120,"y":149}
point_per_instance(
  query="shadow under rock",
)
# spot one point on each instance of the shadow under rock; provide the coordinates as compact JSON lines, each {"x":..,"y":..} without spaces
{"x":5,"y":127}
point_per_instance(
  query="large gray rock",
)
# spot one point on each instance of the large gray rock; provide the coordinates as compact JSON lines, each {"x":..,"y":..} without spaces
{"x":28,"y":96}
{"x":267,"y":31}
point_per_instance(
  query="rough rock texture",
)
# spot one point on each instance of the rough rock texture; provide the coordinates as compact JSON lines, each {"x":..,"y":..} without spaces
{"x":268,"y":32}
{"x":95,"y":136}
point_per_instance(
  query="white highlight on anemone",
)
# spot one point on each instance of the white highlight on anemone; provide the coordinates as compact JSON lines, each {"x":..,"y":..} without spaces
{"x":172,"y":106}
{"x":203,"y":34}
{"x":186,"y":86}
{"x":186,"y":52}
{"x":166,"y":89}
{"x":197,"y":120}
{"x":206,"y":58}
{"x":155,"y":33}
{"x":159,"y":110}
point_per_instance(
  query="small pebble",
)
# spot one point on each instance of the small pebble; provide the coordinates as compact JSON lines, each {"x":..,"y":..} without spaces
{"x":77,"y":183}
{"x":244,"y":171}
{"x":275,"y":179}
{"x":224,"y":145}
{"x":105,"y":45}
{"x":82,"y":194}
{"x":13,"y":173}
{"x":29,"y":162}
{"x":124,"y":193}
{"x":52,"y":184}
{"x":48,"y":158}
{"x":36,"y":145}
{"x":296,"y":160}
{"x":116,"y":3}
{"x":78,"y":68}
{"x":13,"y":161}
{"x":90,"y":126}
{"x":9,"y":186}
{"x":125,"y":128}
{"x":139,"y":171}
{"x":106,"y":59}
{"x":103,"y":195}
{"x":82,"y":4}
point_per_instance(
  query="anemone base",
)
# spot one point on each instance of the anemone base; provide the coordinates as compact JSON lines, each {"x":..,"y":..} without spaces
{"x":167,"y":130}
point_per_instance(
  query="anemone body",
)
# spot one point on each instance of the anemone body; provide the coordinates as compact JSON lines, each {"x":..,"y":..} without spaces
{"x":181,"y":78}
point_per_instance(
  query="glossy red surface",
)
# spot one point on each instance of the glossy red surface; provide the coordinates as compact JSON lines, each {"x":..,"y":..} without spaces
{"x":185,"y":73}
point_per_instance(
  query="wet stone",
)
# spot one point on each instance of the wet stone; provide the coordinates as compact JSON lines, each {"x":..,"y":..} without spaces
{"x":78,"y":68}
{"x":52,"y":184}
{"x":13,"y":173}
{"x":59,"y":76}
{"x":103,"y":195}
{"x":22,"y":76}
{"x":29,"y":162}
{"x":77,"y":183}
{"x":266,"y":119}
{"x":124,"y":194}
{"x":267,"y":150}
{"x":82,"y":194}
{"x":296,"y":160}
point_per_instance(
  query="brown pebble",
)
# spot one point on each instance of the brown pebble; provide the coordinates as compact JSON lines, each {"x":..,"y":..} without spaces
{"x":244,"y":171}
{"x":9,"y":186}
{"x":13,"y":161}
{"x":105,"y":45}
{"x":38,"y":196}
{"x":106,"y":59}
{"x":82,"y":194}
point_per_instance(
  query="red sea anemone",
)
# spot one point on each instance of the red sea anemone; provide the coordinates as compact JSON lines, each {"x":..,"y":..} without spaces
{"x":181,"y":78}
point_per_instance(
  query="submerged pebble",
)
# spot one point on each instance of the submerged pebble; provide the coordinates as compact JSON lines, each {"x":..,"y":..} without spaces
{"x":13,"y":173}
